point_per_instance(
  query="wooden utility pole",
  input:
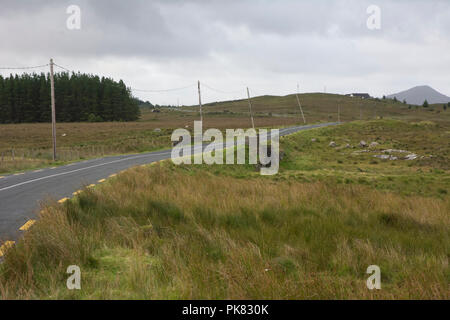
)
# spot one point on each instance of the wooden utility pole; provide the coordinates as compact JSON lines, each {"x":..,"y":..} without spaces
{"x":200,"y":101}
{"x":52,"y":94}
{"x":299,"y":104}
{"x":250,"y":108}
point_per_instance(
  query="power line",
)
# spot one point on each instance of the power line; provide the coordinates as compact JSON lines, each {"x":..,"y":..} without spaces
{"x":24,"y":68}
{"x":63,"y":68}
{"x":165,"y":90}
{"x":140,"y":90}
{"x":220,"y":91}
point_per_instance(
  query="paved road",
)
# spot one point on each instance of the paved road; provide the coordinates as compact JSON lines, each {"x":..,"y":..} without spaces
{"x":20,"y":194}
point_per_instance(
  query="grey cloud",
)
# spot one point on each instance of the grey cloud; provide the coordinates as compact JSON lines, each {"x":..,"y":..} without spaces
{"x":228,"y":41}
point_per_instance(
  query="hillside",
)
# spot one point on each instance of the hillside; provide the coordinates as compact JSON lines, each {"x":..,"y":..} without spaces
{"x":318,"y":107}
{"x":419,"y":94}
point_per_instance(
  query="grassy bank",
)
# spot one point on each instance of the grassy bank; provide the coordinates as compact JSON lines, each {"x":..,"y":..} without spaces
{"x":221,"y":232}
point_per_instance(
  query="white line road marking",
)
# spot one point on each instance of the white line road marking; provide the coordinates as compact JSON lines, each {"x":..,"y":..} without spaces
{"x":128,"y":158}
{"x":82,"y":169}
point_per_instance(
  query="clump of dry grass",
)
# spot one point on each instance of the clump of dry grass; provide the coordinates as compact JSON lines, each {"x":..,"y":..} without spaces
{"x":169,"y":232}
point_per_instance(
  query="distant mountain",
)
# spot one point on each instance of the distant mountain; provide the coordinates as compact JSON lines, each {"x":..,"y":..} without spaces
{"x":418,"y":95}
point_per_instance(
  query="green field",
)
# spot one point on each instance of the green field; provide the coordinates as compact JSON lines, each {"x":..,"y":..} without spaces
{"x":225,"y":232}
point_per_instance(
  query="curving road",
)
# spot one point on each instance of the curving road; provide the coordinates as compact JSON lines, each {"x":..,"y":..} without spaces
{"x":20,"y":194}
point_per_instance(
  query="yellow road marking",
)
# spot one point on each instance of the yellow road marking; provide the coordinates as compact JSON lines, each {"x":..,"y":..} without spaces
{"x":111,"y":176}
{"x":27,"y":225}
{"x":63,"y":200}
{"x":102,"y":180}
{"x":5,"y":247}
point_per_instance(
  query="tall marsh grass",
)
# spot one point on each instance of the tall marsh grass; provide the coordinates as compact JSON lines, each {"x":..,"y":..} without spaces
{"x":166,"y":232}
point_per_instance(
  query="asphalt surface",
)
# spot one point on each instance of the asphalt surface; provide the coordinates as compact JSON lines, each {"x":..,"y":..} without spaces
{"x":21,"y":194}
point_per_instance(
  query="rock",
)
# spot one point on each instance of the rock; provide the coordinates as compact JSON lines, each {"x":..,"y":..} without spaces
{"x":63,"y":135}
{"x":373,"y":144}
{"x":347,"y":146}
{"x":411,"y":156}
{"x":385,"y":157}
{"x":363,"y":144}
{"x":332,"y":144}
{"x":395,"y":150}
{"x":157,"y":130}
{"x":313,"y":140}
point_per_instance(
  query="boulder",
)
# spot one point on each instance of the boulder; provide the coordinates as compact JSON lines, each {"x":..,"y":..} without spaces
{"x":373,"y":144}
{"x":411,"y":156}
{"x":363,"y":144}
{"x":157,"y":130}
{"x":332,"y":144}
{"x":385,"y":157}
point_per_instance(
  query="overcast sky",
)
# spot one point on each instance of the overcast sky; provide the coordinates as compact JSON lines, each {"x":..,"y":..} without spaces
{"x":268,"y":45}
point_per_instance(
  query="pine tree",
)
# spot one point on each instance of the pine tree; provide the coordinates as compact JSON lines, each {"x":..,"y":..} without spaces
{"x":79,"y":97}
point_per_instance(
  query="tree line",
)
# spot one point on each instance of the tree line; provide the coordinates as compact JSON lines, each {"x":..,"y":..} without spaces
{"x":79,"y":98}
